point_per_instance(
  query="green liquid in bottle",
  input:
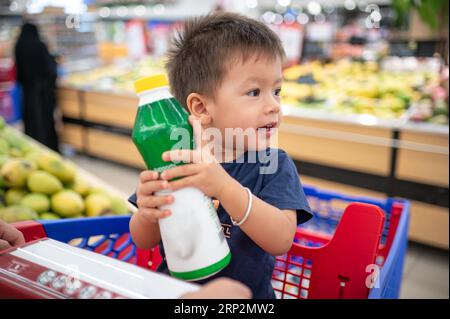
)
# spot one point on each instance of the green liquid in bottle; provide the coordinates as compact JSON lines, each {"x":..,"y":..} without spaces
{"x":161,"y":126}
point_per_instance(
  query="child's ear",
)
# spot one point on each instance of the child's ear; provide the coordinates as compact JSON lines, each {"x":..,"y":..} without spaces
{"x":196,"y":104}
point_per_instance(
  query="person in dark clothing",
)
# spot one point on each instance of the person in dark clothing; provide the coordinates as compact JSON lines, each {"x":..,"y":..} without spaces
{"x":37,"y":73}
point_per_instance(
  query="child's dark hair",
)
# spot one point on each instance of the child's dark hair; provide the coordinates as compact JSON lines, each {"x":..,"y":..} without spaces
{"x":201,"y":51}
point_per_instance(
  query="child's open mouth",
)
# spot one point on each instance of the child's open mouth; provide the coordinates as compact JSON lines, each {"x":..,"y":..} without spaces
{"x":268,"y":130}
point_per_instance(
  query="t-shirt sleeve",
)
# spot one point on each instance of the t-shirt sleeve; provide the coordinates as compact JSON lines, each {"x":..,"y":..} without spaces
{"x":133,"y":199}
{"x":283,"y":189}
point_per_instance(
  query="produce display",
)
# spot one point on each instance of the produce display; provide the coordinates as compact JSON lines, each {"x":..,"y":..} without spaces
{"x":36,"y":183}
{"x":348,"y":87}
{"x":116,"y":77}
{"x":380,"y":89}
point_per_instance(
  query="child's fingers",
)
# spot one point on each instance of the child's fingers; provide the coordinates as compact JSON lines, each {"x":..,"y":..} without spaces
{"x":185,"y":156}
{"x":4,"y":244}
{"x":154,"y":214}
{"x":11,"y":234}
{"x":150,"y":187}
{"x":180,"y":171}
{"x":146,"y":176}
{"x":183,"y":182}
{"x":155,"y":201}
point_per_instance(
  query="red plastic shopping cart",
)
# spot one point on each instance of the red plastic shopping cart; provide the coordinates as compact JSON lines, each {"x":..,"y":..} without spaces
{"x":354,"y":247}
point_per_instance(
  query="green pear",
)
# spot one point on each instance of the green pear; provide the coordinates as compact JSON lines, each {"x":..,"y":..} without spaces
{"x":48,"y":216}
{"x":43,"y":182}
{"x":80,"y":185}
{"x":37,"y":202}
{"x":13,"y":196}
{"x":17,"y":213}
{"x":98,"y":205}
{"x":119,"y":206}
{"x":15,"y":172}
{"x":67,"y":203}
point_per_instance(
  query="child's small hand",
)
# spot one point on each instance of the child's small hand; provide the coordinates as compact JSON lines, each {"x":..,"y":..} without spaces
{"x":147,"y":202}
{"x":204,"y":172}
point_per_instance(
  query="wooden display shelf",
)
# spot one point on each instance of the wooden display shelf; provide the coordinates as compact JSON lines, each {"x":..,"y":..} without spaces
{"x":114,"y":147}
{"x":110,"y":109}
{"x":336,"y":144}
{"x":69,"y":102}
{"x":429,"y":225}
{"x":74,"y":135}
{"x":426,"y":166}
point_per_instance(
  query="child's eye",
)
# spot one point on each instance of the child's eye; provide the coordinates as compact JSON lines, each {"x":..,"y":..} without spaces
{"x":277,"y":92}
{"x":254,"y":92}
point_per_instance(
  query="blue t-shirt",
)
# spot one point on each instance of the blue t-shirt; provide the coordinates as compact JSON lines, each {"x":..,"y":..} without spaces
{"x":271,"y":176}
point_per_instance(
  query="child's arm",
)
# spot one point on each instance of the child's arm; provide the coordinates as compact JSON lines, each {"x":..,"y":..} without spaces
{"x":145,"y":234}
{"x":270,"y":228}
{"x":144,"y":227}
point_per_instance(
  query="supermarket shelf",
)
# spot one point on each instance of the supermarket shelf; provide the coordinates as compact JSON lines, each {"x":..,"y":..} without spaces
{"x":10,"y":14}
{"x":386,"y":152}
{"x":296,"y":112}
{"x":363,"y":139}
{"x":89,"y":89}
{"x":365,"y":120}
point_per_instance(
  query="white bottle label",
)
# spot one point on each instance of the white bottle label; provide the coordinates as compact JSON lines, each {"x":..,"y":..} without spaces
{"x":192,"y":236}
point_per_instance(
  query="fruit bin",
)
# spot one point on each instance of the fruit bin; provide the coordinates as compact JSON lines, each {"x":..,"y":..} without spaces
{"x":38,"y":183}
{"x":351,"y":244}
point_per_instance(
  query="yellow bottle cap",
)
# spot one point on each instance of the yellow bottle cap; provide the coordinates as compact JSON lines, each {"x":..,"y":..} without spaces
{"x":150,"y":82}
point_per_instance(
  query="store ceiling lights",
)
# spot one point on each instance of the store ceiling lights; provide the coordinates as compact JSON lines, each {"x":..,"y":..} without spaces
{"x":350,"y":5}
{"x":104,"y":12}
{"x":159,"y":9}
{"x":251,"y":4}
{"x":13,"y":6}
{"x":140,"y":10}
{"x":362,"y":6}
{"x":268,"y":17}
{"x":278,"y":19}
{"x":376,"y":16}
{"x":122,"y":11}
{"x":320,"y":18}
{"x":289,"y":18}
{"x":280,"y":9}
{"x":314,"y":8}
{"x":34,"y":7}
{"x":302,"y":18}
{"x":284,"y":3}
{"x":328,"y":9}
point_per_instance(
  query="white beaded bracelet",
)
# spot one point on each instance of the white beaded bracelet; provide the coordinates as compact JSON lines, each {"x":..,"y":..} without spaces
{"x":249,"y":208}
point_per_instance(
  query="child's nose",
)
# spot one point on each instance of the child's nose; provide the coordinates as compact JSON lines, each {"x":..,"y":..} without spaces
{"x":273,"y":107}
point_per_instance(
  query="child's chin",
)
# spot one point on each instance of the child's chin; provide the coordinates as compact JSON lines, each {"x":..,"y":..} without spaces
{"x":259,"y":146}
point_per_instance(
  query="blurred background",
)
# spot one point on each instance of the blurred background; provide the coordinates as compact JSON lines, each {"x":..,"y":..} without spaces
{"x":365,"y":97}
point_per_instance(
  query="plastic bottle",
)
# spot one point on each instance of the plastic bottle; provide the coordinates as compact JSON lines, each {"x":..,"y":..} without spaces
{"x":194,"y":243}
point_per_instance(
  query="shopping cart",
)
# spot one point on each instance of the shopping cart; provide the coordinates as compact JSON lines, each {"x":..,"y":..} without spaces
{"x":354,"y":247}
{"x":356,"y":254}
